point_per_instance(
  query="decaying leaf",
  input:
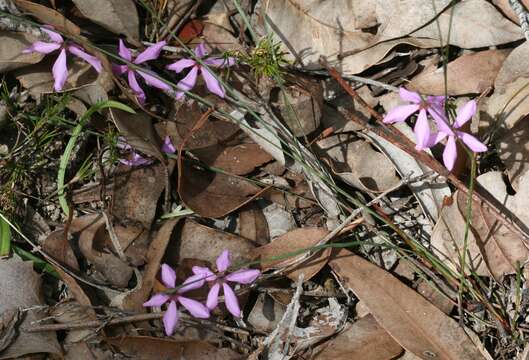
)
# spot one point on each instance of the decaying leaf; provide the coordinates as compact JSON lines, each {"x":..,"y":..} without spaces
{"x":21,"y":289}
{"x":118,"y":16}
{"x":9,"y":322}
{"x":508,"y":105}
{"x":48,"y":16}
{"x":57,"y":245}
{"x":468,"y":74}
{"x":266,"y":313}
{"x":516,"y":65}
{"x":365,"y":339}
{"x":11,"y":46}
{"x":293,"y":241}
{"x":405,"y":315}
{"x":507,"y":9}
{"x":513,"y":148}
{"x":253,"y":225}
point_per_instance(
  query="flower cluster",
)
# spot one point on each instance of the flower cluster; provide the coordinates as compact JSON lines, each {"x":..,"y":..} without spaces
{"x":136,"y":159}
{"x":435,"y":107}
{"x":202,"y":275}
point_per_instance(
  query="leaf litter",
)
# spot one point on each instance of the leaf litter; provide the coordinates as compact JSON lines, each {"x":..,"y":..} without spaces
{"x":268,"y":179}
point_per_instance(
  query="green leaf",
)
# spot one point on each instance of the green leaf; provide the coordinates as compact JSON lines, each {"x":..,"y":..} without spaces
{"x":5,"y":238}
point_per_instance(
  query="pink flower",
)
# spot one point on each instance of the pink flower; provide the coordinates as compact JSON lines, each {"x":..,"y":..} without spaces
{"x":151,"y":53}
{"x":464,"y":113}
{"x":188,"y":82}
{"x":60,"y":69}
{"x":195,"y":308}
{"x":433,"y":105}
{"x":243,"y":276}
{"x":168,"y":146}
{"x":138,"y":160}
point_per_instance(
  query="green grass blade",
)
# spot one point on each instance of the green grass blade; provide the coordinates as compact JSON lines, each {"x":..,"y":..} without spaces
{"x":5,"y":238}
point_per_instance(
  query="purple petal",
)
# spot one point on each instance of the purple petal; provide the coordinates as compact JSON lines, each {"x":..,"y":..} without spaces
{"x":168,"y":146}
{"x":122,"y":144}
{"x":436,"y":138}
{"x":220,"y":62}
{"x":156,"y":300}
{"x":200,"y":50}
{"x":212,"y":84}
{"x":42,"y":47}
{"x":191,"y":283}
{"x":136,"y":160}
{"x":181,"y":65}
{"x":170,"y":319}
{"x":189,"y":81}
{"x":422,"y":130}
{"x":151,"y":53}
{"x":472,"y":142}
{"x":243,"y":276}
{"x":213,"y":297}
{"x":153,"y":81}
{"x":179,"y":95}
{"x":133,"y":83}
{"x":124,"y":51}
{"x":436,"y":100}
{"x":223,"y":261}
{"x":195,"y":308}
{"x":60,"y":71}
{"x":119,"y":69}
{"x":205,"y":272}
{"x":231,"y":301}
{"x":400,"y":113}
{"x":54,"y":36}
{"x":410,"y":96}
{"x":450,"y":153}
{"x":168,"y":276}
{"x":440,"y":119}
{"x":92,"y":60}
{"x":465,"y":113}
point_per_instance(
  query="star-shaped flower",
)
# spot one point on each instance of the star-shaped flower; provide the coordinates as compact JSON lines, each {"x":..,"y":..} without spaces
{"x":60,"y":69}
{"x":433,"y":105}
{"x":188,"y":82}
{"x":243,"y":276}
{"x":151,"y":53}
{"x":171,"y":316}
{"x":138,"y":160}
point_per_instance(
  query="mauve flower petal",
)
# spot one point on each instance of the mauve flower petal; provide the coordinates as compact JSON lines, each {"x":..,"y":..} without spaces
{"x":133,"y":83}
{"x":213,"y":297}
{"x":436,"y":100}
{"x":223,"y":261}
{"x":189,"y":81}
{"x":181,"y":65}
{"x":410,"y":96}
{"x":151,"y":53}
{"x":440,"y":119}
{"x":212,"y":83}
{"x":170,"y":319}
{"x":200,"y":50}
{"x":422,"y":131}
{"x":168,"y":276}
{"x":472,"y":142}
{"x":436,"y":138}
{"x":195,"y":308}
{"x":156,"y":300}
{"x":136,"y":160}
{"x":400,"y":113}
{"x":465,"y":113}
{"x":220,"y":62}
{"x":119,"y":69}
{"x":205,"y":272}
{"x":60,"y":71}
{"x":450,"y":153}
{"x":92,"y":60}
{"x":168,"y":146}
{"x":243,"y":276}
{"x":153,"y":81}
{"x":124,"y":51}
{"x":231,"y":301}
{"x":191,"y":283}
{"x":122,"y":144}
{"x":179,"y":95}
{"x":42,"y":47}
{"x":54,"y":36}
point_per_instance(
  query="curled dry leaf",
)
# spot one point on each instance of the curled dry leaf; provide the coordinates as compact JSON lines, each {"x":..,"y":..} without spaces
{"x":352,"y":160}
{"x":364,"y":339}
{"x":9,"y":322}
{"x":515,"y":66}
{"x":48,"y":16}
{"x":11,"y":46}
{"x":57,"y":246}
{"x":508,"y":105}
{"x":507,"y":9}
{"x":253,"y":225}
{"x":266,"y":313}
{"x":468,"y":74}
{"x":404,"y":314}
{"x":21,"y":289}
{"x":292,"y":241}
{"x":118,"y":16}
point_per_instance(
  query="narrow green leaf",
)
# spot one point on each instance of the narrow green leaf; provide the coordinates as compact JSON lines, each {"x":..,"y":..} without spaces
{"x":5,"y":238}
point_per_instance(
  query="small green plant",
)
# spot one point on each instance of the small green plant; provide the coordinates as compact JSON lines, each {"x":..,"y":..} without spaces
{"x":266,"y":59}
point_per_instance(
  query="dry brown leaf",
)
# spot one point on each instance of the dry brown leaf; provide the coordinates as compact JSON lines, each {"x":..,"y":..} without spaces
{"x":292,"y":241}
{"x":253,"y":225}
{"x":507,"y":9}
{"x":508,"y":105}
{"x":352,"y":160}
{"x":399,"y":18}
{"x":21,"y":289}
{"x":150,"y":348}
{"x":364,"y":339}
{"x":118,"y":16}
{"x":515,"y":66}
{"x":266,"y":313}
{"x":469,"y":73}
{"x":11,"y":46}
{"x":9,"y":321}
{"x":57,"y":246}
{"x":214,"y":195}
{"x":48,"y":16}
{"x":404,"y":314}
{"x":204,"y":243}
{"x":514,"y":151}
